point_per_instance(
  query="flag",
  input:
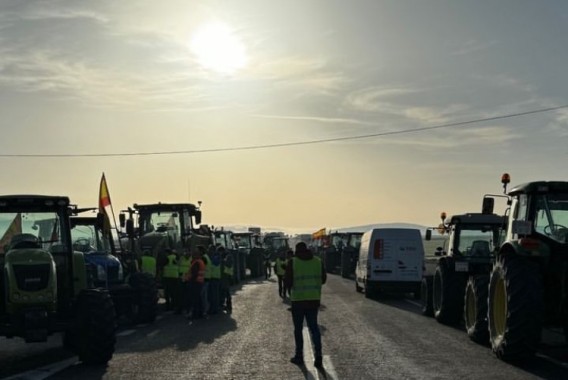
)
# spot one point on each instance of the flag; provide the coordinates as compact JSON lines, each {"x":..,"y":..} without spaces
{"x":104,"y":197}
{"x":319,"y":234}
{"x":13,"y":229}
{"x":104,"y":201}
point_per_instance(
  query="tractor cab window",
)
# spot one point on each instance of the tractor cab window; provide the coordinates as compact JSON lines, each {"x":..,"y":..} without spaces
{"x":87,"y":238}
{"x":355,"y":241}
{"x":476,"y":240}
{"x":31,"y":230}
{"x":166,"y":222}
{"x":551,"y":216}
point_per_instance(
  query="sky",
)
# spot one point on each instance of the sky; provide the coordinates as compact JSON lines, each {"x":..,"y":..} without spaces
{"x":163,"y":96}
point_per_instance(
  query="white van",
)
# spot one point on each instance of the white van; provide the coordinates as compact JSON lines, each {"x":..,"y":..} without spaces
{"x":390,"y":260}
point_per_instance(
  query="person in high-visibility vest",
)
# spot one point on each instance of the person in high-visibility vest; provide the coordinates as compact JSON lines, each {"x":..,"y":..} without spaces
{"x":205,"y":291}
{"x":280,"y":270}
{"x":148,"y":263}
{"x":184,"y":263}
{"x":304,"y":276}
{"x":170,"y":274}
{"x":196,"y":278}
{"x":226,"y":279}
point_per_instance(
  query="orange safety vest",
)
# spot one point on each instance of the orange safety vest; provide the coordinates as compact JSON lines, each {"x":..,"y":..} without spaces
{"x":201,"y":274}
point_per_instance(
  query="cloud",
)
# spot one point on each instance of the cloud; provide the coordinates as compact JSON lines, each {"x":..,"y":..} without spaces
{"x":327,"y":120}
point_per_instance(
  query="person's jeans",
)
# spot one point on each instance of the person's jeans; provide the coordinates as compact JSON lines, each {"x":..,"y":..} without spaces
{"x":311,"y":316}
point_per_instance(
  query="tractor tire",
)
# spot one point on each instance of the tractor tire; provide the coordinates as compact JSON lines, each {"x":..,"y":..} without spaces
{"x":475,"y":309}
{"x":145,"y":303}
{"x":426,"y":297}
{"x":95,"y":334}
{"x":447,"y":293}
{"x":516,"y":307}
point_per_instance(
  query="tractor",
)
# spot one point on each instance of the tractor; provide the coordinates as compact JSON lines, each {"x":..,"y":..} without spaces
{"x":44,"y":281}
{"x":528,"y":287}
{"x":134,"y":293}
{"x":455,"y":282}
{"x":249,"y":244}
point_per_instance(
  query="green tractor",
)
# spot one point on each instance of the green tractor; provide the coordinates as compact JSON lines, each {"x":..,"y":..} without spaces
{"x":528,"y":288}
{"x":44,"y":287}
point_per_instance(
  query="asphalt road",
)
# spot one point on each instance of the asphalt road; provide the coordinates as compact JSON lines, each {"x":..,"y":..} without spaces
{"x":362,"y":339}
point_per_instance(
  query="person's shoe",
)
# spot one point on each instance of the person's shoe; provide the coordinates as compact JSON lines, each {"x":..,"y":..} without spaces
{"x":298,"y":360}
{"x":318,"y":362}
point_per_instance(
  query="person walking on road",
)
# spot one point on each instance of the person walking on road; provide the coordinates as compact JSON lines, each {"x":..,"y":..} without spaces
{"x":205,"y":291}
{"x":287,"y":291}
{"x":170,"y":275}
{"x":184,"y":263}
{"x":280,"y":270}
{"x":226,"y":280}
{"x":267,"y":266}
{"x":304,"y":276}
{"x":213,"y":288}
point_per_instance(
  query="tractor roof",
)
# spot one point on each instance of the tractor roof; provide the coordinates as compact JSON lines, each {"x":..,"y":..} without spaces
{"x":33,"y":202}
{"x":166,"y":207}
{"x":540,"y":187}
{"x":477,"y":218}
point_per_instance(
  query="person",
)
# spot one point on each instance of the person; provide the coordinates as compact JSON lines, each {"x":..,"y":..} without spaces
{"x":214,"y":281}
{"x":287,"y":290}
{"x":195,"y":279}
{"x":205,"y":291}
{"x":184,"y":263}
{"x":267,"y":266}
{"x":226,"y":279}
{"x":280,"y":269}
{"x":304,"y":276}
{"x":170,"y":274}
{"x":148,"y":263}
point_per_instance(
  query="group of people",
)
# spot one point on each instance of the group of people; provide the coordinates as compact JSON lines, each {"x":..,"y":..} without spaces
{"x":197,"y":282}
{"x":301,"y":275}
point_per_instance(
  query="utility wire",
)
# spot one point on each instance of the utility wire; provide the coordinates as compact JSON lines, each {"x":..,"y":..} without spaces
{"x":280,"y":145}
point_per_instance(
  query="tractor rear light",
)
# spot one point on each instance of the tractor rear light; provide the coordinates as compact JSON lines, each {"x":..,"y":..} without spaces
{"x":529,"y":244}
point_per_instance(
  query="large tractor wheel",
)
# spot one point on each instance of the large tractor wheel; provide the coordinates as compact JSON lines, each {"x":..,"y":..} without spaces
{"x":475,"y":310}
{"x":145,"y":303}
{"x":447,"y":293}
{"x":516,"y":307}
{"x":94,"y":335}
{"x":426,"y":296}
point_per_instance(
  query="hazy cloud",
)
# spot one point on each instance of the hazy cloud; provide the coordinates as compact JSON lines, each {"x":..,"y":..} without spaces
{"x":473,"y":46}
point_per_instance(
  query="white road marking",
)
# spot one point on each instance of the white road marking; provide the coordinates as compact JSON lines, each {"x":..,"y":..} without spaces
{"x":45,"y":372}
{"x":328,"y":371}
{"x":151,"y":334}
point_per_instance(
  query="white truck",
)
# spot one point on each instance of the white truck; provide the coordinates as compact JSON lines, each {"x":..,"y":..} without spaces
{"x":390,"y":261}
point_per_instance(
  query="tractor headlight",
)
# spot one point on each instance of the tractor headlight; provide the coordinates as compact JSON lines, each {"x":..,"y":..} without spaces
{"x":101,"y":273}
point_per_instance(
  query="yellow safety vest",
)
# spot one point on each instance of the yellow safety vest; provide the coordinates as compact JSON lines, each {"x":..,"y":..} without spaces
{"x":215,"y":271}
{"x":208,"y":265}
{"x":171,"y":268}
{"x":307,"y":280}
{"x":183,"y":265}
{"x":279,"y":270}
{"x":149,"y":265}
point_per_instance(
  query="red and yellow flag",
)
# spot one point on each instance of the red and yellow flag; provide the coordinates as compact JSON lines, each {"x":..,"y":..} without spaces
{"x":13,"y":229}
{"x":104,"y":201}
{"x":104,"y":196}
{"x":319,"y":234}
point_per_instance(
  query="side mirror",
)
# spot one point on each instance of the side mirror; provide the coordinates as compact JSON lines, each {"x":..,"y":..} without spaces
{"x":198,"y":217}
{"x":428,"y":234}
{"x":488,"y":205}
{"x":122,"y":220}
{"x":130,"y":227}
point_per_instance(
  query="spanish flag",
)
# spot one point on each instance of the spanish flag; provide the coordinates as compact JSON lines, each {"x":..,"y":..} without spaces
{"x":319,"y":234}
{"x":14,"y":228}
{"x":104,"y":201}
{"x":104,"y":197}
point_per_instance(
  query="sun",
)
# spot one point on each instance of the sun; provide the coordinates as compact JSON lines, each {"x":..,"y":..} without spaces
{"x":217,"y":48}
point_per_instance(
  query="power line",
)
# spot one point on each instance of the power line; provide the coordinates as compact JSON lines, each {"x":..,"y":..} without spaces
{"x":281,"y":145}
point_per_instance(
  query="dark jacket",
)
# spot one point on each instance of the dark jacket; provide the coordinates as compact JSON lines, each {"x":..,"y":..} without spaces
{"x":289,"y":278}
